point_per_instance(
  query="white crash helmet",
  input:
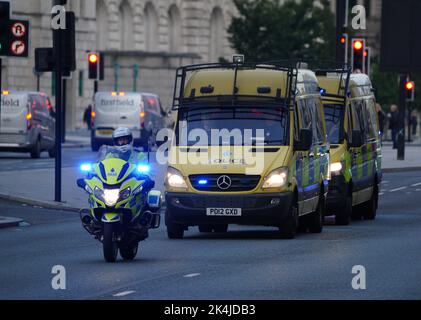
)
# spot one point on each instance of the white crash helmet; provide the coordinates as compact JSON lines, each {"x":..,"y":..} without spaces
{"x":123,"y":139}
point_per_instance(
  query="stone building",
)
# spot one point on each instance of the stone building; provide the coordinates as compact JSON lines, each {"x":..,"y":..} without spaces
{"x":143,"y":41}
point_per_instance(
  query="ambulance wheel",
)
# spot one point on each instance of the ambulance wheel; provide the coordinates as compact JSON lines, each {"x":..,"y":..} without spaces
{"x":343,"y":217}
{"x":36,"y":150}
{"x":205,"y":228}
{"x":220,"y":228}
{"x":370,"y":208}
{"x":288,"y":227}
{"x":315,"y":219}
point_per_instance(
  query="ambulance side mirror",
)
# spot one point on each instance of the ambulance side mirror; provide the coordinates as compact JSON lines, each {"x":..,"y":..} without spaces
{"x":306,"y":140}
{"x":356,"y":139}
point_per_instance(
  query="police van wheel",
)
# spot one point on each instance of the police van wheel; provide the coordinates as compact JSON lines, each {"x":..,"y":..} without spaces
{"x":315,"y":219}
{"x":343,"y":217}
{"x":370,"y":208}
{"x":36,"y":150}
{"x":288,"y":227}
{"x":205,"y":228}
{"x":175,"y":231}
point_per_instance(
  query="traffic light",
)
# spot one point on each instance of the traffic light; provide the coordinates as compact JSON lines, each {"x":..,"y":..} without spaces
{"x":343,"y":47}
{"x":367,"y":60}
{"x":93,"y":65}
{"x":4,"y":27}
{"x":357,"y":56}
{"x":410,"y":90}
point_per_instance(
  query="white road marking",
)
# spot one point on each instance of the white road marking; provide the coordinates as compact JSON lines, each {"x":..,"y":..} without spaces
{"x":123,"y":294}
{"x":416,"y":184}
{"x":385,"y":182}
{"x":417,"y":189}
{"x":398,"y":189}
{"x":191,"y":275}
{"x":381,"y":193}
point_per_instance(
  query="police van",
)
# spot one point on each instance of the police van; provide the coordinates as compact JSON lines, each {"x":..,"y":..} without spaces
{"x":249,"y":148}
{"x":353,"y":133}
{"x":27,"y":123}
{"x":117,"y":109}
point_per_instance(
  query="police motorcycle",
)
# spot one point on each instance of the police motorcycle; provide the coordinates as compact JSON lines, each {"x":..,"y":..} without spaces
{"x":123,"y":204}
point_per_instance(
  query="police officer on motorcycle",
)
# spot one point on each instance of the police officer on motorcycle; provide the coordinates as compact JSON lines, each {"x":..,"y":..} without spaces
{"x":123,"y":147}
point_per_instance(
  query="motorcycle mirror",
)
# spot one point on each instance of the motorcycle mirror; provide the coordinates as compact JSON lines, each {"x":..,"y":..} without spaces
{"x":81,"y":183}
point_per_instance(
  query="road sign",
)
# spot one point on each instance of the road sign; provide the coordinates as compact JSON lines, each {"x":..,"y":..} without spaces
{"x":18,"y":38}
{"x":18,"y":29}
{"x":18,"y":48}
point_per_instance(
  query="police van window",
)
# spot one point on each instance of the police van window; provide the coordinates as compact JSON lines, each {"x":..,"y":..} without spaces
{"x":371,"y":119}
{"x":296,"y":123}
{"x":358,"y":117}
{"x":334,"y":117}
{"x":311,"y":120}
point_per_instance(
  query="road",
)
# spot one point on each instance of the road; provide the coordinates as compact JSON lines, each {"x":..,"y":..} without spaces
{"x":246,"y":263}
{"x":71,"y":157}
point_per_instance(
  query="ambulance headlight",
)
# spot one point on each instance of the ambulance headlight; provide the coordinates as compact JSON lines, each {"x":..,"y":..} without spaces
{"x":335,"y":167}
{"x":175,"y":179}
{"x":276,"y":179}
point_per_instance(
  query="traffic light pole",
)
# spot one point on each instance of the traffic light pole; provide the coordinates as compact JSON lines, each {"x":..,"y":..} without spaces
{"x":401,"y":117}
{"x":58,"y":102}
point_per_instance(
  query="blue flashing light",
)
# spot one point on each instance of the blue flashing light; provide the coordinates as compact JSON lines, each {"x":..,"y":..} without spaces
{"x":203,"y":181}
{"x":322,"y":91}
{"x":143,"y":168}
{"x":86,"y":167}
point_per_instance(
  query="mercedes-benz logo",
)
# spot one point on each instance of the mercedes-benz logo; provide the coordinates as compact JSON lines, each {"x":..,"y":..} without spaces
{"x":224,"y":182}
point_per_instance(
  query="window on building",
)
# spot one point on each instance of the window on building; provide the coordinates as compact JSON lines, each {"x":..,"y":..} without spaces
{"x":102,"y":25}
{"x":174,"y":29}
{"x":151,"y":27}
{"x":217,"y":36}
{"x":126,"y":26}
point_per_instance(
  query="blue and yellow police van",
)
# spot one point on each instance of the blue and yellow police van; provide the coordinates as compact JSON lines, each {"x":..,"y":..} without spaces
{"x":355,"y":145}
{"x":250,"y":148}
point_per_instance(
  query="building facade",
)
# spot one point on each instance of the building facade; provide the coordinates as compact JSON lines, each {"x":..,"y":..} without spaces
{"x":143,"y":42}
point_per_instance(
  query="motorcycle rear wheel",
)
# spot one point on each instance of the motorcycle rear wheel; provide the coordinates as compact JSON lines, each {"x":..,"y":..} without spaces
{"x":109,"y":243}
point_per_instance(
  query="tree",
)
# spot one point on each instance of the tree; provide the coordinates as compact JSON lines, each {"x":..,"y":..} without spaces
{"x":270,"y":30}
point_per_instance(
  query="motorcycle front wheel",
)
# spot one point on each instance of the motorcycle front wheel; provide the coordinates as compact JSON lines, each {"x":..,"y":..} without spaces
{"x":109,"y":243}
{"x":129,"y":252}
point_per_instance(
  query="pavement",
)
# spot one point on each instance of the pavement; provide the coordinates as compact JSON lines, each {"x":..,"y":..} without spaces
{"x":248,"y":262}
{"x":31,"y":181}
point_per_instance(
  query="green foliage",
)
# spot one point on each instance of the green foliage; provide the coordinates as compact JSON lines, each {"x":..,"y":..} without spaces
{"x":269,"y":30}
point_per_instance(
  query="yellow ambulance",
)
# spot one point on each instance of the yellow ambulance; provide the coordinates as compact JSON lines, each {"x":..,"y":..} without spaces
{"x":355,"y":145}
{"x":249,"y":148}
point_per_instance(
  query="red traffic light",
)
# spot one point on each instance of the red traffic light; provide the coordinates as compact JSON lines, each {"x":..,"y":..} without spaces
{"x":343,"y":40}
{"x":357,"y":45}
{"x":93,"y":58}
{"x":409,"y":85}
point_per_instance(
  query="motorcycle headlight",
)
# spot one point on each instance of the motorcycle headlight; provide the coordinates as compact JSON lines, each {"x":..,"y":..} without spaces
{"x":175,"y":179}
{"x":276,"y":179}
{"x":335,"y":167}
{"x":111,"y":196}
{"x":125,"y":193}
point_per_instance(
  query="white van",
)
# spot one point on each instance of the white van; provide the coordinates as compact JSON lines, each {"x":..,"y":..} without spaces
{"x":117,"y":109}
{"x":27,"y":123}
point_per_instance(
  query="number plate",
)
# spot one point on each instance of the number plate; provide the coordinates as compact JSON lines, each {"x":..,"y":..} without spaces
{"x":104,"y":132}
{"x":225,"y":212}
